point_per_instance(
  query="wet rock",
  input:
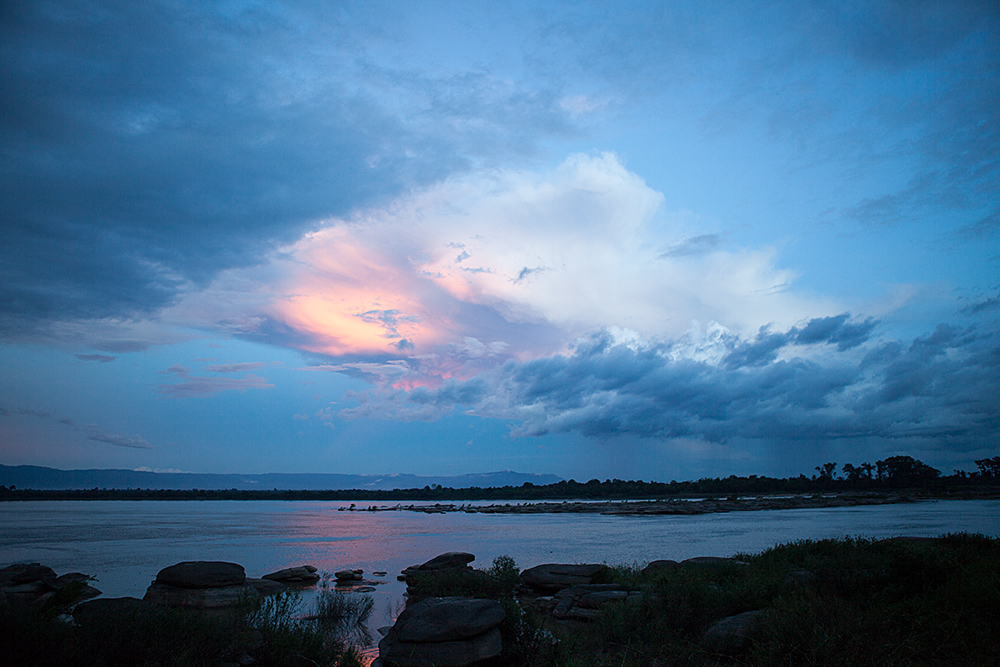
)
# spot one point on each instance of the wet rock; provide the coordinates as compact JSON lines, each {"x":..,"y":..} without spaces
{"x":555,"y":576}
{"x":303,"y":575}
{"x":349,"y":575}
{"x":202,"y":575}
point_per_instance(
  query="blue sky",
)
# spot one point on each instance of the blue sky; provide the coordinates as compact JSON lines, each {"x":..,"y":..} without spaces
{"x":639,"y":240}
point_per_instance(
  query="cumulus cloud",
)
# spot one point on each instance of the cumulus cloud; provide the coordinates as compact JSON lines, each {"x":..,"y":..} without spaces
{"x":450,"y":281}
{"x":801,"y":385}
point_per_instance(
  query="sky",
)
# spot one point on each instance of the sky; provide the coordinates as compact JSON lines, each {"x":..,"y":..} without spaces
{"x":599,"y":240}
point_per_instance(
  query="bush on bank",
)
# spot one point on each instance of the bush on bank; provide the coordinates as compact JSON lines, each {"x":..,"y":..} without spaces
{"x":835,"y":603}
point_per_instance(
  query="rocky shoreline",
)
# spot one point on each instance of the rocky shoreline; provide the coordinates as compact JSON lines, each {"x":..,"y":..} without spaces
{"x":652,"y":507}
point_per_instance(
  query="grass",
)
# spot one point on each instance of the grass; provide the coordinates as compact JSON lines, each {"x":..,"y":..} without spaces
{"x":837,"y":603}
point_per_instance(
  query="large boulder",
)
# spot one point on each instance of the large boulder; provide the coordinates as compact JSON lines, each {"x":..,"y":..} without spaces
{"x":202,"y":574}
{"x":295,"y":576}
{"x":444,"y":632}
{"x":448,"y":619}
{"x":556,"y":576}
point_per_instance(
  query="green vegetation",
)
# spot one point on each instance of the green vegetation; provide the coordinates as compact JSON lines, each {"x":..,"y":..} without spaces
{"x":894,"y":473}
{"x":264,"y":630}
{"x":838,"y":602}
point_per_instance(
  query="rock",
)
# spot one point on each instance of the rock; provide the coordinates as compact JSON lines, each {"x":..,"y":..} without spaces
{"x":267,"y":586}
{"x":444,"y":632}
{"x":63,"y":580}
{"x":202,"y":574}
{"x":87,"y":612}
{"x":216,"y":597}
{"x":711,"y":560}
{"x":446,"y":561}
{"x":582,"y":602}
{"x":555,"y":576}
{"x":660,"y":566}
{"x":295,"y":576}
{"x":447,"y":619}
{"x":440,"y":654}
{"x":733,"y":632}
{"x":25,"y":573}
{"x":348,"y":575}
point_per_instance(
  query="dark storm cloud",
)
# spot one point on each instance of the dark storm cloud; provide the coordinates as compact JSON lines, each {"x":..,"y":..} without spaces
{"x":941,"y":387}
{"x":148,"y":145}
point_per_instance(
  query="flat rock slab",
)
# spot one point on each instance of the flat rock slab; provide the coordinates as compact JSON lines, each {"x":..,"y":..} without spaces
{"x":447,"y":619}
{"x":556,"y":576}
{"x":202,"y":574}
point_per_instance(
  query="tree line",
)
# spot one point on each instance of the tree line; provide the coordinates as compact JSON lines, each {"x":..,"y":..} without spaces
{"x":892,"y":473}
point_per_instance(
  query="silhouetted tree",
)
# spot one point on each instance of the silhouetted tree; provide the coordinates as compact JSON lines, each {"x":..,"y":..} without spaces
{"x":989,"y":468}
{"x":906,"y":470}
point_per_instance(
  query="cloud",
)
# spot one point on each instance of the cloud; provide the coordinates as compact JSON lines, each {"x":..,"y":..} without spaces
{"x":771,"y":388}
{"x":117,"y":439}
{"x":92,"y":431}
{"x":103,"y":358}
{"x":149,"y":146}
{"x":235,"y":368}
{"x":544,"y":258}
{"x":201,"y":387}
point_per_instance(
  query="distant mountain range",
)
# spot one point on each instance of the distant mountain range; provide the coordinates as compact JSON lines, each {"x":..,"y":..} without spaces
{"x":37,"y":477}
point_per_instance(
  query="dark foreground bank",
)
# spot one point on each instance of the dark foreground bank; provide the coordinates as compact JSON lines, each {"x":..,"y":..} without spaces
{"x":901,"y":601}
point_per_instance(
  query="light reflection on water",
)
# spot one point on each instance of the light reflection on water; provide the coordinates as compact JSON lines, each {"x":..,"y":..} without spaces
{"x":125,"y":543}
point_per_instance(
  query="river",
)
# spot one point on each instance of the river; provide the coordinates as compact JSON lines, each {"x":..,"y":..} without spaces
{"x":125,"y":543}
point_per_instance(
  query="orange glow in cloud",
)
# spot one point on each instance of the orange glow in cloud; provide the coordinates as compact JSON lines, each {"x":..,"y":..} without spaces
{"x":348,"y":298}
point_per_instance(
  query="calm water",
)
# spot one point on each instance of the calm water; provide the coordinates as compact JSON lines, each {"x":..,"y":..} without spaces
{"x":125,"y":543}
